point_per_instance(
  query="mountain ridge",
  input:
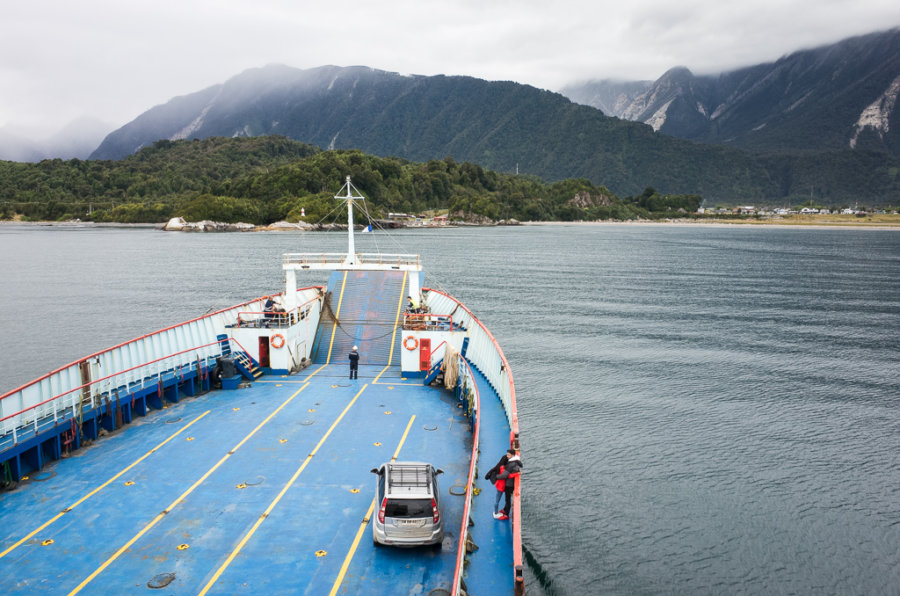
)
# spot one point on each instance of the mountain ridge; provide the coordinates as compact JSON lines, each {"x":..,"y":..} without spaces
{"x":743,"y":135}
{"x":839,"y":96}
{"x":495,"y":124}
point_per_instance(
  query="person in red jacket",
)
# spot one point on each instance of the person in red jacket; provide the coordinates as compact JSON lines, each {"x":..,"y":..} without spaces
{"x":511,"y":471}
{"x":502,"y":486}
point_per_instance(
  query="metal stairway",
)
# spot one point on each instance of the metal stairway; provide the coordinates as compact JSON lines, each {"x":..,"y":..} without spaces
{"x":245,"y":365}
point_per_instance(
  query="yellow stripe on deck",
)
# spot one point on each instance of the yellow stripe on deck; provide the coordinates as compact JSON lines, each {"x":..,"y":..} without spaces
{"x":365,"y":521}
{"x":182,"y":497}
{"x":278,"y":498}
{"x":98,"y":489}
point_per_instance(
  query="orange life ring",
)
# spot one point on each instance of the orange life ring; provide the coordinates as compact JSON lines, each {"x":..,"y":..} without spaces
{"x":277,"y":340}
{"x":415,"y":343}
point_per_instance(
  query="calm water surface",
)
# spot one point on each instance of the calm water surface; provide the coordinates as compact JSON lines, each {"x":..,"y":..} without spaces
{"x":704,"y":410}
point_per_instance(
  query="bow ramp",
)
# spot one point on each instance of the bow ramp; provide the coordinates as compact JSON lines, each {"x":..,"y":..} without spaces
{"x":362,"y":309}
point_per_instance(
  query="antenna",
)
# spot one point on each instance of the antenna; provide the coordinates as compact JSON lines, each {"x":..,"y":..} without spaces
{"x":351,"y":247}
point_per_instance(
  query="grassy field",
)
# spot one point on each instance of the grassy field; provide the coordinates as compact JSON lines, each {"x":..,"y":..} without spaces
{"x":875,"y":220}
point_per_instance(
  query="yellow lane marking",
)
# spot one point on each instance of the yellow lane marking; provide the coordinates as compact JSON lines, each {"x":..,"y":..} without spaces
{"x":349,"y":557}
{"x":403,"y":438}
{"x":365,"y":522}
{"x":99,"y":488}
{"x":337,"y":315}
{"x":398,"y":384}
{"x":297,"y":382}
{"x":182,"y":497}
{"x":394,"y":331}
{"x":315,"y":372}
{"x":278,"y":498}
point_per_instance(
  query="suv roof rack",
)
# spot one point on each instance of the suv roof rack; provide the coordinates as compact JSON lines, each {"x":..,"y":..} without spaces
{"x":409,"y":475}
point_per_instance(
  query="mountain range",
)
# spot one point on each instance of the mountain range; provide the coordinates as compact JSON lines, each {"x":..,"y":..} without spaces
{"x":503,"y":126}
{"x":819,"y":124}
{"x":841,"y":96}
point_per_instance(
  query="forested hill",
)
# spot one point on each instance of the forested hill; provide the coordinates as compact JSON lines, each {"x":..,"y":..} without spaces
{"x":502,"y":126}
{"x":266,"y":179}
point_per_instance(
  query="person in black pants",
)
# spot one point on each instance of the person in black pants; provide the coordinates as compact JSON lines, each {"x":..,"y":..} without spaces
{"x":511,"y":471}
{"x":354,"y":362}
{"x":507,"y":469}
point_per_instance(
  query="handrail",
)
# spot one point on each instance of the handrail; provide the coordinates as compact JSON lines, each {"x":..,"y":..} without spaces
{"x":438,"y":347}
{"x":279,"y":317}
{"x":116,"y":374}
{"x":519,"y":582}
{"x":434,"y":350}
{"x":410,"y":319}
{"x":464,"y":529}
{"x":337,"y":258}
{"x":243,"y":349}
{"x":277,"y":313}
{"x":136,"y":339}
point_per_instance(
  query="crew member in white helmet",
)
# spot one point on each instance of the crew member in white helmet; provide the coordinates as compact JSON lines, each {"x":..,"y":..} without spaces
{"x":354,"y":362}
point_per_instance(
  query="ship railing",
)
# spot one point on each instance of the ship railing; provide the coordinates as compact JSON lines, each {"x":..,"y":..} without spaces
{"x":485,"y":354}
{"x":118,"y":383}
{"x":335,"y":259}
{"x":274,"y":318}
{"x":38,"y":400}
{"x":483,"y":351}
{"x":437,"y":354}
{"x":467,"y":381}
{"x":427,"y":322}
{"x":266,"y":318}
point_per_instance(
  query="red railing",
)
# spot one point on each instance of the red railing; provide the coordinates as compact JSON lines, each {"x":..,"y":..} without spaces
{"x":518,"y":567}
{"x":130,"y":341}
{"x":278,"y":316}
{"x":122,"y":372}
{"x":434,"y":351}
{"x":470,"y":483}
{"x":243,"y":349}
{"x":424,"y":320}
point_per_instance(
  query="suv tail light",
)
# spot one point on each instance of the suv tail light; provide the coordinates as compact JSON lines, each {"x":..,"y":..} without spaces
{"x":436,"y":515}
{"x":383,"y":506}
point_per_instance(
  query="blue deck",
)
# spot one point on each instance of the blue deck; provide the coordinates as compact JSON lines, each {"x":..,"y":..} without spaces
{"x":265,"y":489}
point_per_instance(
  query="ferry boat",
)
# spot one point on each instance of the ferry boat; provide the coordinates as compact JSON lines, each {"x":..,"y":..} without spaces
{"x":233,"y":453}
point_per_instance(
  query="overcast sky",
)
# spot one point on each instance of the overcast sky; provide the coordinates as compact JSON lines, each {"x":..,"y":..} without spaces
{"x":114,"y":59}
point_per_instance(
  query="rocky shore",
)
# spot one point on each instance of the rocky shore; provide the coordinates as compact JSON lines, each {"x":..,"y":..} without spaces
{"x":178,"y":224}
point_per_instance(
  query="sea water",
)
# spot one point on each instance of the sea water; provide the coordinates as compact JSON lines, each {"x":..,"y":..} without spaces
{"x":704,"y":410}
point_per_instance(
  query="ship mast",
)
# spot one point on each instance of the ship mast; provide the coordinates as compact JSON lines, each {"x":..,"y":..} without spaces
{"x":293,"y":262}
{"x":351,"y":260}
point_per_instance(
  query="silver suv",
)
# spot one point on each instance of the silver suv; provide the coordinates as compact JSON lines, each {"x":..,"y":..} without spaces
{"x":409,"y":505}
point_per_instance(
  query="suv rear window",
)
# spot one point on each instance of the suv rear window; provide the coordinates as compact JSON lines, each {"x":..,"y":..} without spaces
{"x":408,"y":508}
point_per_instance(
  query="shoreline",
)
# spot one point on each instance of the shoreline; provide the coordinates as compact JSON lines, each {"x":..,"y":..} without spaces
{"x":725,"y":224}
{"x":879,"y":226}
